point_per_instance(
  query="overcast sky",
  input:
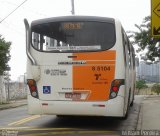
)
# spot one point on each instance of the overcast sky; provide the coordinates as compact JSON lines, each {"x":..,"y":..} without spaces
{"x":129,"y":12}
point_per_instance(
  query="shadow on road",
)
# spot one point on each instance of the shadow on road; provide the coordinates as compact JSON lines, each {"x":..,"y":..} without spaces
{"x":97,"y":123}
{"x":85,"y":122}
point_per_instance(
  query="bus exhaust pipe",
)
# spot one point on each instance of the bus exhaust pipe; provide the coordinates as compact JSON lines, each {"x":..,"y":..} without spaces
{"x":28,"y":42}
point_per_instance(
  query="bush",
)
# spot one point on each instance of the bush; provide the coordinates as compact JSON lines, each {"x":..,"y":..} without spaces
{"x":156,"y":88}
{"x":140,"y":84}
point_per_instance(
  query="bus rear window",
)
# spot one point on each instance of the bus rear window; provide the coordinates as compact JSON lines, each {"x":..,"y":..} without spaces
{"x":73,"y":36}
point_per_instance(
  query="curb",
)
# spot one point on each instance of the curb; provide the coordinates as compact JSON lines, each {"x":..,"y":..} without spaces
{"x":140,"y":116}
{"x":139,"y":122}
{"x":12,"y":105}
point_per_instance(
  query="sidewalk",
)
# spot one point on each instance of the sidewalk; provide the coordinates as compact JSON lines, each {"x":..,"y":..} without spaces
{"x":13,"y":104}
{"x":149,"y":117}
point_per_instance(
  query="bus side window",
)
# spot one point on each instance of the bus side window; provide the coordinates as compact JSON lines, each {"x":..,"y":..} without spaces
{"x":35,"y":40}
{"x":42,"y":41}
{"x":127,"y":49}
{"x":124,"y":47}
{"x":38,"y":41}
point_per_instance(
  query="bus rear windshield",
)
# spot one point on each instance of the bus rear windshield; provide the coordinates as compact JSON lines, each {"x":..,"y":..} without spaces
{"x":73,"y":36}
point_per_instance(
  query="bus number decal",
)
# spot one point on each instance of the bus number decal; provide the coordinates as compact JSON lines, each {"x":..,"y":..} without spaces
{"x":101,"y":68}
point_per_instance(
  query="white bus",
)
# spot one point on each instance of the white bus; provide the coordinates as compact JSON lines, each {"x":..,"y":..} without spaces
{"x":79,"y":65}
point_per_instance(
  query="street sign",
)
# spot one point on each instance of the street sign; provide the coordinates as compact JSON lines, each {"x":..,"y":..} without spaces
{"x":155,"y":18}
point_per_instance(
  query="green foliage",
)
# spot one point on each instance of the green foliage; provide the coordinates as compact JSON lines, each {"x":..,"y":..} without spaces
{"x":4,"y":55}
{"x":156,"y":88}
{"x":140,"y":84}
{"x":144,"y":40}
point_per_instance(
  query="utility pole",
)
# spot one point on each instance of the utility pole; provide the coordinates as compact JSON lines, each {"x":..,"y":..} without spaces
{"x":2,"y":90}
{"x":72,"y":4}
{"x":1,"y":93}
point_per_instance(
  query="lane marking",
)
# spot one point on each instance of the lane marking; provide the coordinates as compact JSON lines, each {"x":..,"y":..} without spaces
{"x":113,"y":133}
{"x":47,"y":129}
{"x":59,"y":131}
{"x":35,"y":128}
{"x":22,"y":121}
{"x":13,"y":128}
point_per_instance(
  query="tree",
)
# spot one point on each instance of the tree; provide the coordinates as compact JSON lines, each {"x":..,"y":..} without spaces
{"x":144,"y":40}
{"x":156,"y":88}
{"x":140,"y":84}
{"x":4,"y":55}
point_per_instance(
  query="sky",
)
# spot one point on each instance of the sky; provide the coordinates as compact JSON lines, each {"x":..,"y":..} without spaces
{"x":129,"y":12}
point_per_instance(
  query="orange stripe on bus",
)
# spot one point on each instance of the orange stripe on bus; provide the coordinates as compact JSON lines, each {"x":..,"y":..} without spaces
{"x":103,"y":55}
{"x":98,"y":82}
{"x":96,"y":77}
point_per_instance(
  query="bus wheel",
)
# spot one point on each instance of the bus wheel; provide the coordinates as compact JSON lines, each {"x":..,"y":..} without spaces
{"x":128,"y":105}
{"x":132,"y":103}
{"x":126,"y":116}
{"x":60,"y":116}
{"x":63,"y":116}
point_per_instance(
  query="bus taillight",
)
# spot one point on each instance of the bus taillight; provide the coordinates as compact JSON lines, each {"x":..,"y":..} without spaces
{"x":32,"y":87}
{"x":115,"y":87}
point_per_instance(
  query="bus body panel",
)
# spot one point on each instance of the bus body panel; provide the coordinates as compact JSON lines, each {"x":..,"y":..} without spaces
{"x":113,"y":107}
{"x":90,"y":75}
{"x":66,"y":75}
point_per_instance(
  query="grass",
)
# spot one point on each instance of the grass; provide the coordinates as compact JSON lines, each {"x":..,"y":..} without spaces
{"x":146,"y":91}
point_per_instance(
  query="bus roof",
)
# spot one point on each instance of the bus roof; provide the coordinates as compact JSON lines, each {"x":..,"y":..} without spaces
{"x":73,"y":18}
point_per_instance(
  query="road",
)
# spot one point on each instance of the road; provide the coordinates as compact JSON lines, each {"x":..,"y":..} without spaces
{"x":17,"y":120}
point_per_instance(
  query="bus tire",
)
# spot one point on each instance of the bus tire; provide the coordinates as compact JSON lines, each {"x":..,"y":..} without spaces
{"x":126,"y":115}
{"x":63,"y":116}
{"x":132,"y":102}
{"x":131,"y":105}
{"x":128,"y":105}
{"x":60,"y":116}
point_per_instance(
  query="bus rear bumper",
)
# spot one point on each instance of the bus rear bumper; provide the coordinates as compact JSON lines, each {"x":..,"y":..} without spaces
{"x":113,"y":107}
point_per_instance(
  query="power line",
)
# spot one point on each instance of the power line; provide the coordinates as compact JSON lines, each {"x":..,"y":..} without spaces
{"x":28,"y":9}
{"x":13,"y":11}
{"x":9,"y":27}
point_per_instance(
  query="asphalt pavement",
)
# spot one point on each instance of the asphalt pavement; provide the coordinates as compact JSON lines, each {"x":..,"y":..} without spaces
{"x":149,"y":115}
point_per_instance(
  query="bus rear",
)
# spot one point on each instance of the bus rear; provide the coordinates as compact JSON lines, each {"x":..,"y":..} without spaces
{"x":76,"y":67}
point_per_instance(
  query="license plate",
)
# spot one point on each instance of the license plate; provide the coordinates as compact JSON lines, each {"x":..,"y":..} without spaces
{"x":73,"y":96}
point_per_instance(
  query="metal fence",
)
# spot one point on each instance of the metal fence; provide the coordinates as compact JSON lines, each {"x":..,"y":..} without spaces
{"x":149,"y":72}
{"x":16,"y":90}
{"x":10,"y":90}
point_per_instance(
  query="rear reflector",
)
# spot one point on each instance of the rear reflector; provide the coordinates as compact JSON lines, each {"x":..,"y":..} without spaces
{"x":44,"y":104}
{"x":98,"y":105}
